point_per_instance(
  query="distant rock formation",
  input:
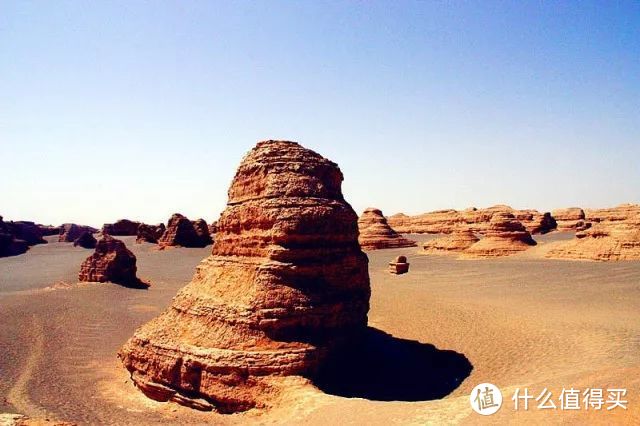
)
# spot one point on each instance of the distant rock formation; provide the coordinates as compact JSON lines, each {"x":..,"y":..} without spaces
{"x":536,"y":222}
{"x":473,"y":219}
{"x":48,"y":230}
{"x":111,"y":262}
{"x":202,"y":230}
{"x":150,"y":233}
{"x":568,"y":218}
{"x":28,"y":232}
{"x":180,"y":232}
{"x":399,"y":265}
{"x":504,"y":236}
{"x":69,"y":232}
{"x":285,"y":287}
{"x":86,"y":240}
{"x":456,"y":242}
{"x":604,"y":241}
{"x":123,"y":227}
{"x":612,"y":214}
{"x":9,"y":245}
{"x":376,"y":234}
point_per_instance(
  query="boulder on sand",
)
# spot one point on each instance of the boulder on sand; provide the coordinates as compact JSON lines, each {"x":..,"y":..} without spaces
{"x":111,"y":262}
{"x":399,"y":265}
{"x":286,"y":286}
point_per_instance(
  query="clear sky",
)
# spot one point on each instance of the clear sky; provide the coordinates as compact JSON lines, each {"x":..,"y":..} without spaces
{"x":140,"y":109}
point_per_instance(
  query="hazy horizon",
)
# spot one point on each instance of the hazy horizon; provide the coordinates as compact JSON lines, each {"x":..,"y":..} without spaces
{"x":117,"y":110}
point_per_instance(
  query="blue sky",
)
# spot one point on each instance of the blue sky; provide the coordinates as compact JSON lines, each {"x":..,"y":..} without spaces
{"x":141,"y":109}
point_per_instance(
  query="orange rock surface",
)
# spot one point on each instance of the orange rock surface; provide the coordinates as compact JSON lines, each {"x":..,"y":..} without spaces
{"x":504,"y":236}
{"x":456,"y":242}
{"x":607,"y":240}
{"x":375,"y":232}
{"x":286,"y":286}
{"x":568,"y":219}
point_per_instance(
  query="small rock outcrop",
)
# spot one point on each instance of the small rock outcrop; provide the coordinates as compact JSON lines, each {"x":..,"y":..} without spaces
{"x":213,"y":228}
{"x":504,"y":236}
{"x":202,"y":230}
{"x":48,"y":230}
{"x":9,"y":245}
{"x":399,"y":265}
{"x":149,"y":233}
{"x":180,"y":232}
{"x":69,"y":232}
{"x":111,"y":262}
{"x":123,"y":227}
{"x":536,"y":222}
{"x":86,"y":240}
{"x":28,"y":232}
{"x":286,"y":286}
{"x":375,"y":232}
{"x":604,"y":241}
{"x":456,"y":242}
{"x":567,"y":219}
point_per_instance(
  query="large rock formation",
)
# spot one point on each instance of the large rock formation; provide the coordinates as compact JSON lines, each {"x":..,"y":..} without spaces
{"x":69,"y":232}
{"x":568,"y":219}
{"x":504,"y":236}
{"x":150,"y":233}
{"x":181,"y":232}
{"x":375,"y":233}
{"x":456,"y":242}
{"x":286,"y":285}
{"x":123,"y":227}
{"x":202,"y":230}
{"x":111,"y":262}
{"x":607,"y":240}
{"x":86,"y":240}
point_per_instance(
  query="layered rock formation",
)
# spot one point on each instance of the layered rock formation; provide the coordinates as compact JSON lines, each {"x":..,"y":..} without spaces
{"x":202,"y":230}
{"x":123,"y":227}
{"x":612,"y":214}
{"x":536,"y":222}
{"x":473,"y":219}
{"x":181,"y":232}
{"x":607,"y":240}
{"x":286,"y":286}
{"x":69,"y":232}
{"x":456,"y":242}
{"x":568,"y":219}
{"x":504,"y":236}
{"x":375,"y":233}
{"x":149,"y":233}
{"x":213,"y":228}
{"x":111,"y":262}
{"x":86,"y":240}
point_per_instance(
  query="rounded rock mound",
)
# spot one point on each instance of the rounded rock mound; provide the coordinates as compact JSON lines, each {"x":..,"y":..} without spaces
{"x":286,"y":286}
{"x":375,"y":232}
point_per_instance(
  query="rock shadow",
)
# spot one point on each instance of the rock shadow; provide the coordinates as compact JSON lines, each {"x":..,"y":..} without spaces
{"x":385,"y":368}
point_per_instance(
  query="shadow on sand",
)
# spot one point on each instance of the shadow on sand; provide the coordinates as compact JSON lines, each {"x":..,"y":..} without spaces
{"x":386,"y":368}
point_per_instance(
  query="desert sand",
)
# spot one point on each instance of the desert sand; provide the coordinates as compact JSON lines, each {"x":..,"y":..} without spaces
{"x":436,"y":332}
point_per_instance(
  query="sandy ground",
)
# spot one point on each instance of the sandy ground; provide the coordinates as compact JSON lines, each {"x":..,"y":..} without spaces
{"x":517,"y":322}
